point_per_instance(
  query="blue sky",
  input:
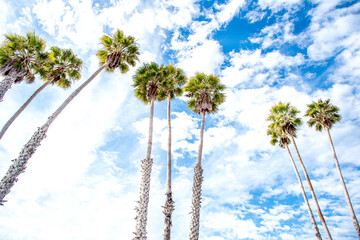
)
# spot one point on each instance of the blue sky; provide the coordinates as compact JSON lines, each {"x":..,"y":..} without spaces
{"x":83,"y":181}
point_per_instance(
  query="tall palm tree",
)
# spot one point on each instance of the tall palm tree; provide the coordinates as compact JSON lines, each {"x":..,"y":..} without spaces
{"x":285,"y":117}
{"x":175,"y":79}
{"x":206,"y":94}
{"x":148,"y":83}
{"x":278,"y":135}
{"x":18,"y":56}
{"x":120,"y":52}
{"x":62,"y":68}
{"x":323,"y":115}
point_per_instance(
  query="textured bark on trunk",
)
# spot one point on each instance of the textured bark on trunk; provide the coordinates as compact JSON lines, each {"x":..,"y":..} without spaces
{"x":197,"y":182}
{"x":169,"y":202}
{"x":21,"y":109}
{"x":19,"y":164}
{"x":352,"y":212}
{"x":142,"y":208}
{"x":317,"y":232}
{"x":6,"y":84}
{"x":322,"y":219}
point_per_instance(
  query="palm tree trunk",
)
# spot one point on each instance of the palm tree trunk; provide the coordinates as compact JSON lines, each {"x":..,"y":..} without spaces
{"x":146,"y":165}
{"x":21,"y":109}
{"x":317,"y":233}
{"x":198,"y":178}
{"x":6,"y":84}
{"x":322,"y":219}
{"x":352,"y":212}
{"x":19,"y":164}
{"x":169,"y":203}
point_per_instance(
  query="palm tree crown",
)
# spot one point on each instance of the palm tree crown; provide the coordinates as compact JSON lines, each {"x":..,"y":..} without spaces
{"x":322,"y":114}
{"x":284,"y":119}
{"x":22,"y":54}
{"x":205,"y":92}
{"x":149,"y":81}
{"x":63,"y":67}
{"x":119,"y":51}
{"x":175,"y":78}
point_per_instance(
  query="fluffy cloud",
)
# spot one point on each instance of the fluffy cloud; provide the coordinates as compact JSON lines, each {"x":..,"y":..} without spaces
{"x":254,"y":68}
{"x":332,"y":34}
{"x":277,"y":5}
{"x":206,"y":58}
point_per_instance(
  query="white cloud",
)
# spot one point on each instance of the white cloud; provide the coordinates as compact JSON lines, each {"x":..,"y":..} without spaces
{"x":255,"y":16}
{"x":231,"y":227}
{"x":50,"y":14}
{"x":333,"y":33}
{"x":277,"y":35}
{"x":253,"y":68}
{"x":277,"y":5}
{"x":3,"y":12}
{"x":206,"y":58}
{"x":228,"y":10}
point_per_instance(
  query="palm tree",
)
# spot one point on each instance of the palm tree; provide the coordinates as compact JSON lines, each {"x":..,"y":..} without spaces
{"x":18,"y":57}
{"x":323,"y":115}
{"x":206,"y":94}
{"x":175,"y":79}
{"x":278,"y":135}
{"x":62,"y":68}
{"x":148,"y":83}
{"x":285,"y":117}
{"x":119,"y":51}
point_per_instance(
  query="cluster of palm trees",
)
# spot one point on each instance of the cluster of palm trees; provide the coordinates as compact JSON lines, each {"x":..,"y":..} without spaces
{"x":23,"y":57}
{"x":153,"y":82}
{"x":282,"y":129}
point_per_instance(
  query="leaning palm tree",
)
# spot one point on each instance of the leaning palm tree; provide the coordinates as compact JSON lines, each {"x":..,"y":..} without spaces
{"x":148,"y":83}
{"x":278,"y":135}
{"x":285,"y":117}
{"x":62,"y":68}
{"x":120,"y":52}
{"x":206,"y":94}
{"x":18,"y":56}
{"x":175,"y":79}
{"x":323,"y":115}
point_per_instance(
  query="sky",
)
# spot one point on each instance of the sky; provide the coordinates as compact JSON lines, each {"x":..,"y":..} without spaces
{"x":83,"y":181}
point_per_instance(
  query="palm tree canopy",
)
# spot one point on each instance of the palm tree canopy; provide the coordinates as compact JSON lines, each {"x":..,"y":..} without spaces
{"x":62,"y":68}
{"x":19,"y":53}
{"x":278,"y":136}
{"x":149,"y":81}
{"x":205,"y":93}
{"x":175,"y":78}
{"x":284,"y":119}
{"x":323,"y":114}
{"x":119,"y":51}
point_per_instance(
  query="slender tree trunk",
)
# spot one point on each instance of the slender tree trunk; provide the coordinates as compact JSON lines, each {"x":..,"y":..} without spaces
{"x":146,"y":165}
{"x":19,"y":164}
{"x":6,"y":84}
{"x":21,"y":109}
{"x":352,"y":212}
{"x":317,"y":232}
{"x":197,"y":182}
{"x":169,"y":202}
{"x":322,"y":219}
